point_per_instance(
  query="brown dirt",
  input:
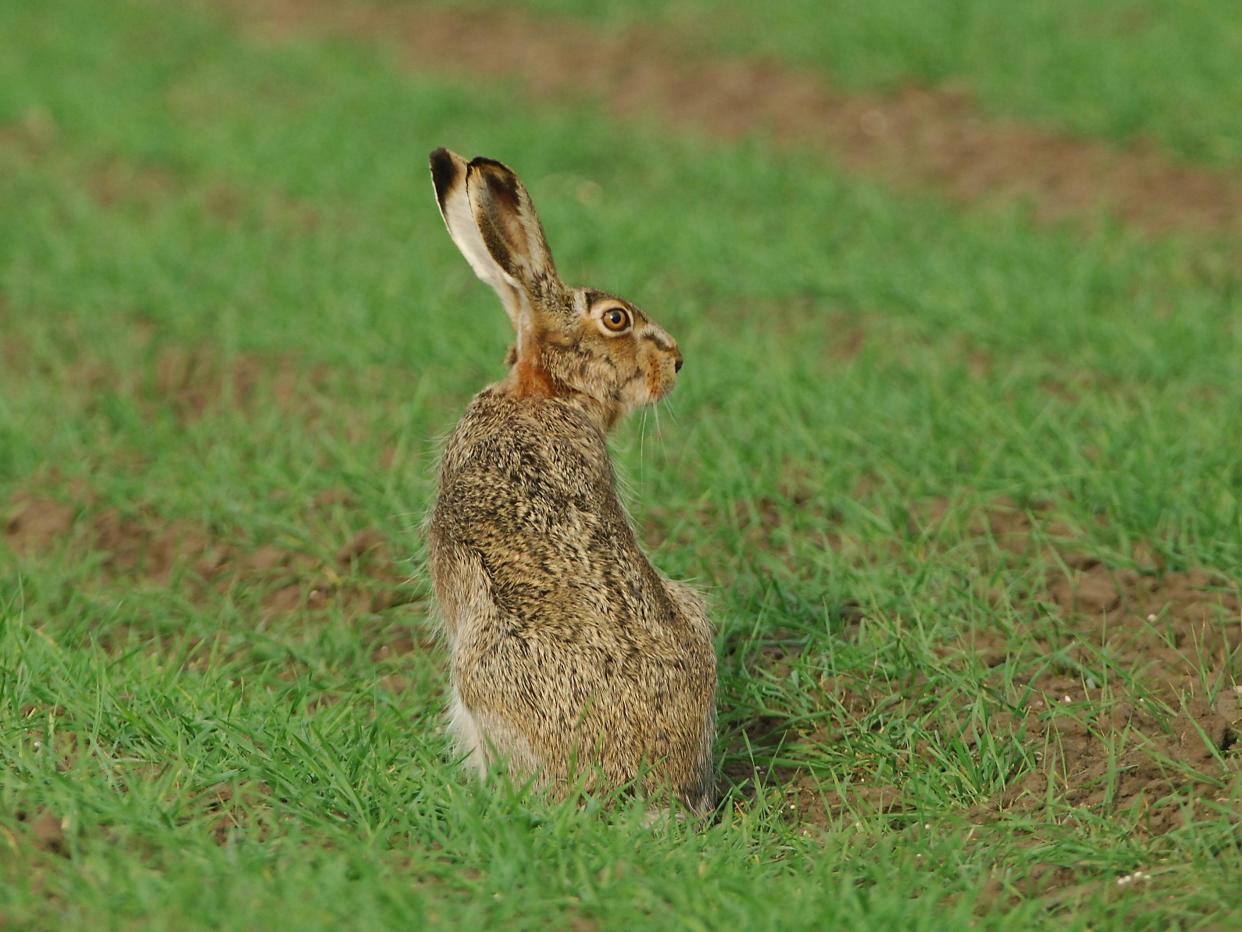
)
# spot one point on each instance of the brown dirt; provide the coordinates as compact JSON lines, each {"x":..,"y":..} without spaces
{"x":46,"y":831}
{"x":35,"y":523}
{"x":360,"y":577}
{"x":1141,"y":702}
{"x":193,"y":382}
{"x":925,"y":137}
{"x":117,"y":183}
{"x":1102,"y":756}
{"x":190,"y":382}
{"x":1161,"y":622}
{"x":232,"y":810}
{"x":1123,"y":682}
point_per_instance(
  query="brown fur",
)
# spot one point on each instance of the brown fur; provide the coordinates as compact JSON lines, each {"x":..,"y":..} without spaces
{"x":571,"y":657}
{"x":533,"y":381}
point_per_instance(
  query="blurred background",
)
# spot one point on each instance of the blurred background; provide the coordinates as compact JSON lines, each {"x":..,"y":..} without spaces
{"x":957,"y":288}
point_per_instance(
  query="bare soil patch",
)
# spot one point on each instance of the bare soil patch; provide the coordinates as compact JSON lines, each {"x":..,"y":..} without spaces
{"x":1121,"y":682}
{"x":46,"y":831}
{"x":237,"y":809}
{"x":915,"y":136}
{"x":35,"y":524}
{"x":190,"y":382}
{"x":194,"y":382}
{"x":1135,"y":701}
{"x":118,"y":183}
{"x":1126,"y":694}
{"x":358,"y":575}
{"x":1162,"y":622}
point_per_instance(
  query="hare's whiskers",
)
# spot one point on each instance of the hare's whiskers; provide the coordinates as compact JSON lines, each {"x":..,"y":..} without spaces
{"x":670,"y":411}
{"x":642,"y":437}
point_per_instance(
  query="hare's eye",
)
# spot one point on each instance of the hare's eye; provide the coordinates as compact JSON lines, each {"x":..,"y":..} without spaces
{"x":616,"y":319}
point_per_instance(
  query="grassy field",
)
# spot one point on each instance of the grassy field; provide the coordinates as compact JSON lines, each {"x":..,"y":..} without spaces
{"x":963,"y":488}
{"x":1128,"y":70}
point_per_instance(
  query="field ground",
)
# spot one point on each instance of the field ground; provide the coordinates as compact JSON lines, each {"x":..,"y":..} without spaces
{"x":954,"y":455}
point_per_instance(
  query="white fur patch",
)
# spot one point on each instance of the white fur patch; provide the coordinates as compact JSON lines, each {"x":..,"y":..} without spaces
{"x":466,"y":735}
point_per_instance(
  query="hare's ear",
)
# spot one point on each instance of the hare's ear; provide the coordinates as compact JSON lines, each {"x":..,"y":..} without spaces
{"x":448,"y":174}
{"x":510,"y":228}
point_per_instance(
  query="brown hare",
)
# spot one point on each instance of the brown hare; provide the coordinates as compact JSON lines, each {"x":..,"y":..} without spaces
{"x":571,"y":657}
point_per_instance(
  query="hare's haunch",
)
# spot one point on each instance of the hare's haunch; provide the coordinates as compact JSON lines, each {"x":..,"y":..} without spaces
{"x":571,"y":657}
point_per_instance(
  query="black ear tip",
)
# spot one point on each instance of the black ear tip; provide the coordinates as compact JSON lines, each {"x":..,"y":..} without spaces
{"x":499,"y":178}
{"x":482,"y":161}
{"x":443,"y":171}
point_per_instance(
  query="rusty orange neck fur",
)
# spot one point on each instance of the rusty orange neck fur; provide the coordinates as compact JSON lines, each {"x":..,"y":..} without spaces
{"x":530,"y":378}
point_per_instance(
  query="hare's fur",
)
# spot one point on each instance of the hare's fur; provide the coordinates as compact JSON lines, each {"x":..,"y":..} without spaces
{"x":572,"y":659}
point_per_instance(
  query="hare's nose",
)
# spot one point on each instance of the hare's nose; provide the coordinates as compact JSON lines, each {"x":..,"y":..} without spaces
{"x":678,"y":361}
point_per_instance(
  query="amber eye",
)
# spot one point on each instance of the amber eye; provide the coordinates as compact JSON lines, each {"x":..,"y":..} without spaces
{"x":616,"y":319}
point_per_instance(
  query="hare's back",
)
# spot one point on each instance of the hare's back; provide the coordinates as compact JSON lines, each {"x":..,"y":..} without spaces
{"x":523,"y":466}
{"x":527,"y":493}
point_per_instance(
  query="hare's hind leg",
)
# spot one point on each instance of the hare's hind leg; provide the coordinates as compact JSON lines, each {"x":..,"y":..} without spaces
{"x":467,"y":736}
{"x":700,"y":792}
{"x":482,"y":738}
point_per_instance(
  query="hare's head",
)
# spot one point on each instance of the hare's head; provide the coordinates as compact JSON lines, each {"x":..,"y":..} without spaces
{"x":570,"y":341}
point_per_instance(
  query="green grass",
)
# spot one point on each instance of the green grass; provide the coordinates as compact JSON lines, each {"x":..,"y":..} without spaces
{"x":853,"y":357}
{"x":1129,"y":70}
